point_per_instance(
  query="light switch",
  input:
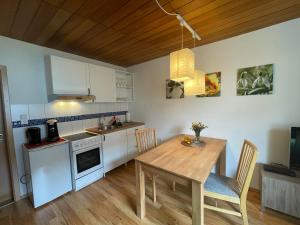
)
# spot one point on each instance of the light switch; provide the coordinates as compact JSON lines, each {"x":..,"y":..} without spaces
{"x":24,"y":119}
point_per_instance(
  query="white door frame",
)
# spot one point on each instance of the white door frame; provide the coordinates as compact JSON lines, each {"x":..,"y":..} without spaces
{"x":9,"y":134}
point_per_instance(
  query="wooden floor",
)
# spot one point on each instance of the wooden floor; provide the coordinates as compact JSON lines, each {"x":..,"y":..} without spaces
{"x":112,"y":201}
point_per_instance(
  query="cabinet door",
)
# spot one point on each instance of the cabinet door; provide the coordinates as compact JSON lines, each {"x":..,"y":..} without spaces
{"x":50,"y":173}
{"x":69,"y":76}
{"x":114,"y":150}
{"x":102,"y":83}
{"x":132,"y":150}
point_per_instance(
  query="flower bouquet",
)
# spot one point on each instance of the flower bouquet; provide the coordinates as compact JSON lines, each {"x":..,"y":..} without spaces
{"x":197,"y":127}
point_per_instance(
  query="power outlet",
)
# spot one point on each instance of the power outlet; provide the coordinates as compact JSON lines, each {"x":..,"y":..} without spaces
{"x":24,"y":119}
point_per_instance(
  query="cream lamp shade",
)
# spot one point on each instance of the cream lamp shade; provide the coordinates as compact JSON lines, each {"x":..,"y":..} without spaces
{"x":182,"y":65}
{"x":196,"y":86}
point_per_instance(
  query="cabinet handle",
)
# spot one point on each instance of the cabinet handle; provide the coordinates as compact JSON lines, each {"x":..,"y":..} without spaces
{"x":103,"y":137}
{"x":89,"y":91}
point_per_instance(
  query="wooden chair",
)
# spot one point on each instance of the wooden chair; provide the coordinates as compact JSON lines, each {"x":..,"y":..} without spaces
{"x":234,"y":190}
{"x":146,"y":140}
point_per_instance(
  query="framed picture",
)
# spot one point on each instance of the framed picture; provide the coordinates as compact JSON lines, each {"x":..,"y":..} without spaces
{"x":256,"y":80}
{"x":212,"y":85}
{"x":174,"y":89}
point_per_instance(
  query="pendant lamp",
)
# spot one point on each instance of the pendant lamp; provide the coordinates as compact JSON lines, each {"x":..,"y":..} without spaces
{"x":182,"y":65}
{"x":182,"y":62}
{"x":196,"y":86}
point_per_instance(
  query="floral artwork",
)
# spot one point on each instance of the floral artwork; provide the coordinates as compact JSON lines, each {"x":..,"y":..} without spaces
{"x":257,"y":80}
{"x":174,"y":89}
{"x":212,"y":85}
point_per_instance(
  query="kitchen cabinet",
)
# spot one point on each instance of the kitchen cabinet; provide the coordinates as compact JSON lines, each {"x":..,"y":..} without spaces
{"x":102,"y":83}
{"x":124,"y":86}
{"x":114,"y":150}
{"x":119,"y":147}
{"x":67,"y":77}
{"x":48,"y":172}
{"x":132,"y":150}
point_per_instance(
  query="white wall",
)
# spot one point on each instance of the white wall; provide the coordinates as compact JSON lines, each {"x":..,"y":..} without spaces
{"x":265,"y":120}
{"x":28,"y":95}
{"x":26,"y":69}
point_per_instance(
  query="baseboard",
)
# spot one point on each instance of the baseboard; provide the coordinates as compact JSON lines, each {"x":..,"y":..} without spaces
{"x":24,"y":196}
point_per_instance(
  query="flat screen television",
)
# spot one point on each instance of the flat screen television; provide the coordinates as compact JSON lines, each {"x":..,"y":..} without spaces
{"x":295,"y":148}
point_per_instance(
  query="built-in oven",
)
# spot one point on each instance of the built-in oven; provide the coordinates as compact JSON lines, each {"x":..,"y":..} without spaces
{"x":87,"y":160}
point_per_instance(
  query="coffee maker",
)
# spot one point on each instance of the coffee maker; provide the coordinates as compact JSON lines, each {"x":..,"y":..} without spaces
{"x":52,"y":131}
{"x":34,"y":135}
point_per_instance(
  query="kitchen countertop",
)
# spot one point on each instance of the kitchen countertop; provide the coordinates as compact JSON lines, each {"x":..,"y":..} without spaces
{"x":44,"y":144}
{"x":128,"y":125}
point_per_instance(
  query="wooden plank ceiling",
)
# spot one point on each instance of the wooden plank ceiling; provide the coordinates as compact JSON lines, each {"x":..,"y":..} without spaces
{"x":128,"y":32}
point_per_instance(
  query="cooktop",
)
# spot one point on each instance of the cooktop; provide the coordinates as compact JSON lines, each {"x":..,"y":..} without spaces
{"x":79,"y":136}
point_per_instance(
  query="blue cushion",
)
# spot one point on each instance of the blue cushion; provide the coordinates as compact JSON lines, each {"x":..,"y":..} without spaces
{"x":221,"y":185}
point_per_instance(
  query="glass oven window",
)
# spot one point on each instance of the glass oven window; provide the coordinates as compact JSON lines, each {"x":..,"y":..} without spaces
{"x":88,"y":159}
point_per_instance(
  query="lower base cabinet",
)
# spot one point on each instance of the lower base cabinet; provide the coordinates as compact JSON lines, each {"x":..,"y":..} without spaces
{"x":48,"y":173}
{"x":114,"y":150}
{"x":119,"y":147}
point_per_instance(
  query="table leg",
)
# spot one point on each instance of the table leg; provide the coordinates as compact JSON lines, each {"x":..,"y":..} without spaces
{"x":197,"y":203}
{"x":140,"y":190}
{"x":221,"y":165}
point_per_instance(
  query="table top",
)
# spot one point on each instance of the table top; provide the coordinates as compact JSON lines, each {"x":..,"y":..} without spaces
{"x":194,"y":163}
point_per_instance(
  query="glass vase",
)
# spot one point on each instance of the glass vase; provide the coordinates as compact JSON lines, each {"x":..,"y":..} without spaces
{"x":197,"y":137}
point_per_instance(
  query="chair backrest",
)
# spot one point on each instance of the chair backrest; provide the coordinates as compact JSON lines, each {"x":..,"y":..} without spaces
{"x":145,"y":139}
{"x":246,"y":168}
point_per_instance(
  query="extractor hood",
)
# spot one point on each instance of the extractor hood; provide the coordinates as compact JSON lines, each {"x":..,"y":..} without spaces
{"x":81,"y":98}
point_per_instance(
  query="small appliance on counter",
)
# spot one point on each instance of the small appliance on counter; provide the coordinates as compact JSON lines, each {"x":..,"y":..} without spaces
{"x":34,"y":135}
{"x":52,"y":131}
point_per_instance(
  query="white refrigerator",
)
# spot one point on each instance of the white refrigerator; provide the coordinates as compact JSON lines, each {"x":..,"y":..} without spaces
{"x":48,"y":172}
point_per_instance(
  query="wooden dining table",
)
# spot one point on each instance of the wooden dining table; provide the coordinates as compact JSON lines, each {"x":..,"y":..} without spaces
{"x":186,"y":165}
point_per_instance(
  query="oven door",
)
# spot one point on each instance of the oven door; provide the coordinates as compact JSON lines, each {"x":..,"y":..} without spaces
{"x":86,"y":161}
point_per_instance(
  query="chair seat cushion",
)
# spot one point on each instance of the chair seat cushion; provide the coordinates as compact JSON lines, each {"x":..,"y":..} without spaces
{"x":220,"y":185}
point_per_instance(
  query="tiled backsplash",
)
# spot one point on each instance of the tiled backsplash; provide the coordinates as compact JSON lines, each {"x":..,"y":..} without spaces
{"x":73,"y":117}
{"x":77,"y":117}
{"x":62,"y":109}
{"x":62,"y":119}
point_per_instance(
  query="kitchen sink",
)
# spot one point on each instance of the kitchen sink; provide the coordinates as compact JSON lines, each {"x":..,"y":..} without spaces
{"x":108,"y":127}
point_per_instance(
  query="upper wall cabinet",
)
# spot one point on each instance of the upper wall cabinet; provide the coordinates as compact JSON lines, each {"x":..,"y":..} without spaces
{"x":102,"y":83}
{"x":68,"y":76}
{"x":124,"y":86}
{"x":70,"y":79}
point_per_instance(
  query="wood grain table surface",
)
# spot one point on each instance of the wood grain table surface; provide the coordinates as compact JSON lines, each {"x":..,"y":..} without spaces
{"x":186,"y":165}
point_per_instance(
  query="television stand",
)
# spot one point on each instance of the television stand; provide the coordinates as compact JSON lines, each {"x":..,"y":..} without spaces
{"x":281,"y":193}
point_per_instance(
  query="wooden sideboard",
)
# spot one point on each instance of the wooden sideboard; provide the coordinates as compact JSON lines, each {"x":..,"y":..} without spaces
{"x":281,"y":193}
